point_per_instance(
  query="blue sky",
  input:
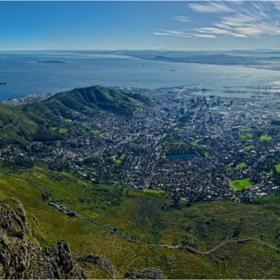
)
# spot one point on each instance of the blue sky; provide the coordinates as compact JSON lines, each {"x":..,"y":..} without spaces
{"x":140,"y":25}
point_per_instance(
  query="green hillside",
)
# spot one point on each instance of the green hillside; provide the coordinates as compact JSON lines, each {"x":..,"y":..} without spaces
{"x":151,"y":219}
{"x":16,"y":126}
{"x":84,"y":100}
{"x":32,"y":122}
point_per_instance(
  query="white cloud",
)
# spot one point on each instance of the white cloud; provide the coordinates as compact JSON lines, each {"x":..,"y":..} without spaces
{"x":211,"y":7}
{"x":181,"y":34}
{"x":175,"y":33}
{"x":246,"y":19}
{"x":239,"y":19}
{"x":208,"y":36}
{"x":218,"y":31}
{"x":181,"y":18}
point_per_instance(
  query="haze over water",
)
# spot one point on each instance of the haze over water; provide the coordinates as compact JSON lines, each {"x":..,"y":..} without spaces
{"x":24,"y":75}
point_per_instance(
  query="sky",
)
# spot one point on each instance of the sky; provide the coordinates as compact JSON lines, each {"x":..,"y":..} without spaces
{"x":201,"y":25}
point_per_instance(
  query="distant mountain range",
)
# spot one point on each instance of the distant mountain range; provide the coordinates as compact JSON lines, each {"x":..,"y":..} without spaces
{"x":257,"y":58}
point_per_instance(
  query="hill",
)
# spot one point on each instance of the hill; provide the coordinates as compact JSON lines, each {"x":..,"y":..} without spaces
{"x":16,"y":126}
{"x":32,"y":122}
{"x":85,"y":100}
{"x":224,"y":239}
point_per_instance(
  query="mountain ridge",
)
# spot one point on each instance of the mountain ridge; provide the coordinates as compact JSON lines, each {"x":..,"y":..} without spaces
{"x":85,"y":99}
{"x":32,"y":122}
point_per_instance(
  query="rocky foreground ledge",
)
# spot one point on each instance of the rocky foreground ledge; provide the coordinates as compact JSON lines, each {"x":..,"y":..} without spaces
{"x":21,"y":256}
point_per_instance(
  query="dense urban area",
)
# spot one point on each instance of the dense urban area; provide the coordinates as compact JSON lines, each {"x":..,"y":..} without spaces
{"x":186,"y":143}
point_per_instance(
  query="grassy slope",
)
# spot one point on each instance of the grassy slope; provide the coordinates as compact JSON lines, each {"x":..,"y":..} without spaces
{"x":149,"y":217}
{"x":16,"y":126}
{"x":83,"y":99}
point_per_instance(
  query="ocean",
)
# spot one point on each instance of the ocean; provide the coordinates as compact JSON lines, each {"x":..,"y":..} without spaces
{"x":24,"y":75}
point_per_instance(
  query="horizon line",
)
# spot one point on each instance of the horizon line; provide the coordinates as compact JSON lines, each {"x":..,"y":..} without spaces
{"x":144,"y":49}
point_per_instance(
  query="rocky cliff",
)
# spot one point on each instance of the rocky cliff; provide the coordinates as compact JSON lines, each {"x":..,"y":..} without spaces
{"x":22,"y":257}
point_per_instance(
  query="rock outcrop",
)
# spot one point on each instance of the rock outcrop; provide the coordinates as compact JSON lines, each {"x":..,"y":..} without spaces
{"x":100,"y":264}
{"x":145,"y":273}
{"x":22,"y":257}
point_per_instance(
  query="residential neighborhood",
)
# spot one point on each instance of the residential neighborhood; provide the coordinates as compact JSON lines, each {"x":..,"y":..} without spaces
{"x":186,"y":143}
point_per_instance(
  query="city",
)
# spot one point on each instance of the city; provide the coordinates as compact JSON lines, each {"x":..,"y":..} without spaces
{"x":192,"y":147}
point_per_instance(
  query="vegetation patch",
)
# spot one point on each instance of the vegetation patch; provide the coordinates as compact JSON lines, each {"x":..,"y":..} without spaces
{"x":139,"y":109}
{"x":266,"y":138}
{"x":194,"y":144}
{"x":63,"y":130}
{"x":241,"y":183}
{"x":277,"y":166}
{"x":249,"y":147}
{"x":155,"y":191}
{"x":242,"y":165}
{"x":97,"y":131}
{"x":118,"y":161}
{"x":206,"y":154}
{"x":247,"y":136}
{"x":68,"y":120}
